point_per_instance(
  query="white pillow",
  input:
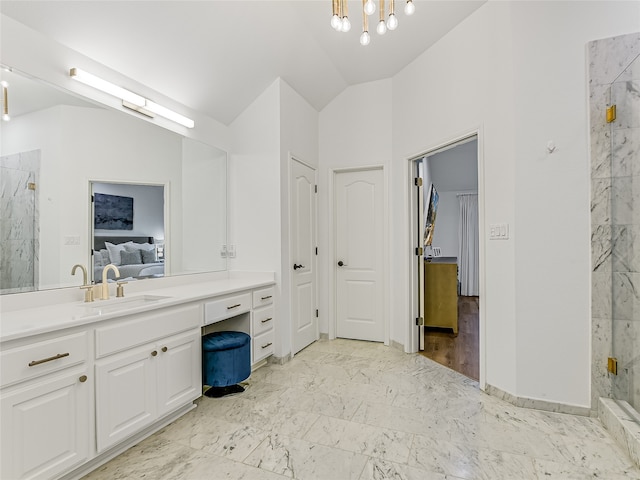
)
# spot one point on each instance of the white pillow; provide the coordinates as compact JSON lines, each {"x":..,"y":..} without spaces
{"x":114,"y":252}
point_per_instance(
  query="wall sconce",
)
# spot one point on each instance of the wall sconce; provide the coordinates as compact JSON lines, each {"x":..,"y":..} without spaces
{"x":5,"y":101}
{"x":130,"y":100}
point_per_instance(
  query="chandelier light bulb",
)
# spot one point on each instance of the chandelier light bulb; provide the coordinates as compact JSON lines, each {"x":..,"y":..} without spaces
{"x":346,"y":24}
{"x":409,"y":8}
{"x":336,"y":23}
{"x":369,"y":7}
{"x":392,"y":22}
{"x":381,"y":28}
{"x":365,"y":38}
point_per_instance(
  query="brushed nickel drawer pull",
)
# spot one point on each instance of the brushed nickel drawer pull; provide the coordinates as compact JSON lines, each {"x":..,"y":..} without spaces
{"x":266,"y":320}
{"x":234,"y":306}
{"x":267,"y":345}
{"x":266,"y":298}
{"x":45,"y":360}
{"x":83,"y":378}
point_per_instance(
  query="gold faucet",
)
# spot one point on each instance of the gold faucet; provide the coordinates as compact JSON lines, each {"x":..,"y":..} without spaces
{"x":87,"y":287}
{"x":104,"y":294}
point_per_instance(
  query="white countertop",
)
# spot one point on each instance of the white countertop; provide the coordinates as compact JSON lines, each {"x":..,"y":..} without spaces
{"x":25,"y":322}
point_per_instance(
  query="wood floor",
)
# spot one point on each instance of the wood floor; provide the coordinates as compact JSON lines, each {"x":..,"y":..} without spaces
{"x":460,"y":353}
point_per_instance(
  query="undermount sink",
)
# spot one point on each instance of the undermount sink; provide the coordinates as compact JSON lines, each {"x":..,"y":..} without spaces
{"x":126,"y":303}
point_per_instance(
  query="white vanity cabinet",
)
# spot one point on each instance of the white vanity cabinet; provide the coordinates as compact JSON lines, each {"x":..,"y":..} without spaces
{"x":83,"y":385}
{"x":45,"y":407}
{"x":138,"y":381}
{"x":263,"y":333}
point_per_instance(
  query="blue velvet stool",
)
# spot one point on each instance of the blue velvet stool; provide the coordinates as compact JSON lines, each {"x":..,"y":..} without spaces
{"x":226,"y":361}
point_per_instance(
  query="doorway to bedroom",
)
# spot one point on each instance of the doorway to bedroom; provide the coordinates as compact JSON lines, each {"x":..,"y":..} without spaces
{"x":449,"y":267}
{"x":128,"y":230}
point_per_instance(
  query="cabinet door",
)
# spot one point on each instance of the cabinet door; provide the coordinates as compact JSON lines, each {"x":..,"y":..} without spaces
{"x":125,"y":394}
{"x":179,"y":370}
{"x":45,"y":426}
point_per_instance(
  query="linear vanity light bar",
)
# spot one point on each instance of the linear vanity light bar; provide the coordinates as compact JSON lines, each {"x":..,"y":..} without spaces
{"x":129,"y":99}
{"x":107,"y":87}
{"x":170,"y":114}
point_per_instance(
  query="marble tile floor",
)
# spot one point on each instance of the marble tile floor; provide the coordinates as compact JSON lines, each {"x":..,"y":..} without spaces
{"x":346,"y":409}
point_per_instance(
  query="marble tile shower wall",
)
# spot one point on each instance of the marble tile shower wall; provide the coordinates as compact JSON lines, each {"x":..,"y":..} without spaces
{"x":19,"y":221}
{"x":614,"y":77}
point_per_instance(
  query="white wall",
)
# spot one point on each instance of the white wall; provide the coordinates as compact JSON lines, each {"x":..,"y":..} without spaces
{"x":552,"y":192}
{"x":29,"y":51}
{"x":496,"y":73}
{"x":355,"y":131}
{"x":298,"y":138}
{"x":276,"y":125}
{"x":254,"y":190}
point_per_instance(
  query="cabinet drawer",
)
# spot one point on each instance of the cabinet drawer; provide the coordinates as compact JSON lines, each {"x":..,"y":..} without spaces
{"x":30,"y":361}
{"x":262,"y":320}
{"x":263,"y":345}
{"x":226,"y":307}
{"x":263,"y":297}
{"x":144,"y":328}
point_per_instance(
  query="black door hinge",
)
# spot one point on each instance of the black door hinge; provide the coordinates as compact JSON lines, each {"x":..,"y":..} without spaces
{"x":316,"y":313}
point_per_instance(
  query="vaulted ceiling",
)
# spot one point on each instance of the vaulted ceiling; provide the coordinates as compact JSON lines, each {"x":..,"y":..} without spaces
{"x":218,"y":56}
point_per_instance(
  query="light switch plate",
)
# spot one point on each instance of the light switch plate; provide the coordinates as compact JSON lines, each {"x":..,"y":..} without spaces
{"x":499,"y":231}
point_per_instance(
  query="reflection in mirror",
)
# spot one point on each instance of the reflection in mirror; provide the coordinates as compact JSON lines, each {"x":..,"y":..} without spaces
{"x":128,"y":230}
{"x":55,"y":143}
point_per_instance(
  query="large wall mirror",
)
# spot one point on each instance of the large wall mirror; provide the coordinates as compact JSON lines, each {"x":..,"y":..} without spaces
{"x":56,"y":146}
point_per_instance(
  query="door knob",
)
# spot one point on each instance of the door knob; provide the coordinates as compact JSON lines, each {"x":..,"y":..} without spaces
{"x":342,"y":264}
{"x":296,"y":266}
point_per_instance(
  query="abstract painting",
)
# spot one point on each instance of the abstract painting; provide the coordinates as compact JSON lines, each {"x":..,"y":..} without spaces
{"x":112,"y":212}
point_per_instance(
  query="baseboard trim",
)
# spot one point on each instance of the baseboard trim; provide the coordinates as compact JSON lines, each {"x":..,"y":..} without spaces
{"x":397,"y":346}
{"x":279,"y":360}
{"x":535,"y":404}
{"x":623,"y":423}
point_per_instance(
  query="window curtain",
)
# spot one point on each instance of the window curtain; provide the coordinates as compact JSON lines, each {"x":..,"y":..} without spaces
{"x":469,"y":250}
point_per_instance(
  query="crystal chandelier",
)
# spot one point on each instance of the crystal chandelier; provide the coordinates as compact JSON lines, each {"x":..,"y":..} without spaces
{"x":340,"y":18}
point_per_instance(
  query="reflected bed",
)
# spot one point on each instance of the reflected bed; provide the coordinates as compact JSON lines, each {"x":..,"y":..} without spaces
{"x":135,"y":257}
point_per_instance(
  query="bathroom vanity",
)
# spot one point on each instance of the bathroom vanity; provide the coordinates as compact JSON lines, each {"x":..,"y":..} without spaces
{"x":82,"y":382}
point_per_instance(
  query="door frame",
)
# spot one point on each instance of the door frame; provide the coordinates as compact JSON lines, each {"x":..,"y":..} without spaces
{"x":289,"y":279}
{"x":412,"y":202}
{"x":333,"y":271}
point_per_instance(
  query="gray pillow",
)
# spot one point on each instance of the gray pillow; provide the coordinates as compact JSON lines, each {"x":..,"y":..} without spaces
{"x":130,"y":257}
{"x":148,"y":256}
{"x":139,"y":246}
{"x":98,"y":259}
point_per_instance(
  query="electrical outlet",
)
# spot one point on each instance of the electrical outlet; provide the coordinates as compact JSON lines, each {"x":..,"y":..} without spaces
{"x":72,"y":240}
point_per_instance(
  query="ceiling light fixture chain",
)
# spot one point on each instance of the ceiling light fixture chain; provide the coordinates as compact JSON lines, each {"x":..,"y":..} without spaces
{"x":341,"y":23}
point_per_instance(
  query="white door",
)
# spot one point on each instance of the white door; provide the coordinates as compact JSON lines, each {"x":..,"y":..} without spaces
{"x":303,"y":255}
{"x":420,"y":258}
{"x":359,"y":213}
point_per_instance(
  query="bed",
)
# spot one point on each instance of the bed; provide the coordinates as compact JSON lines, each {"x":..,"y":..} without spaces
{"x":135,"y":257}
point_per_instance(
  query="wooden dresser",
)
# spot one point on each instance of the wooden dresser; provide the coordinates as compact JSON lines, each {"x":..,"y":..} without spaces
{"x":441,"y":293}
